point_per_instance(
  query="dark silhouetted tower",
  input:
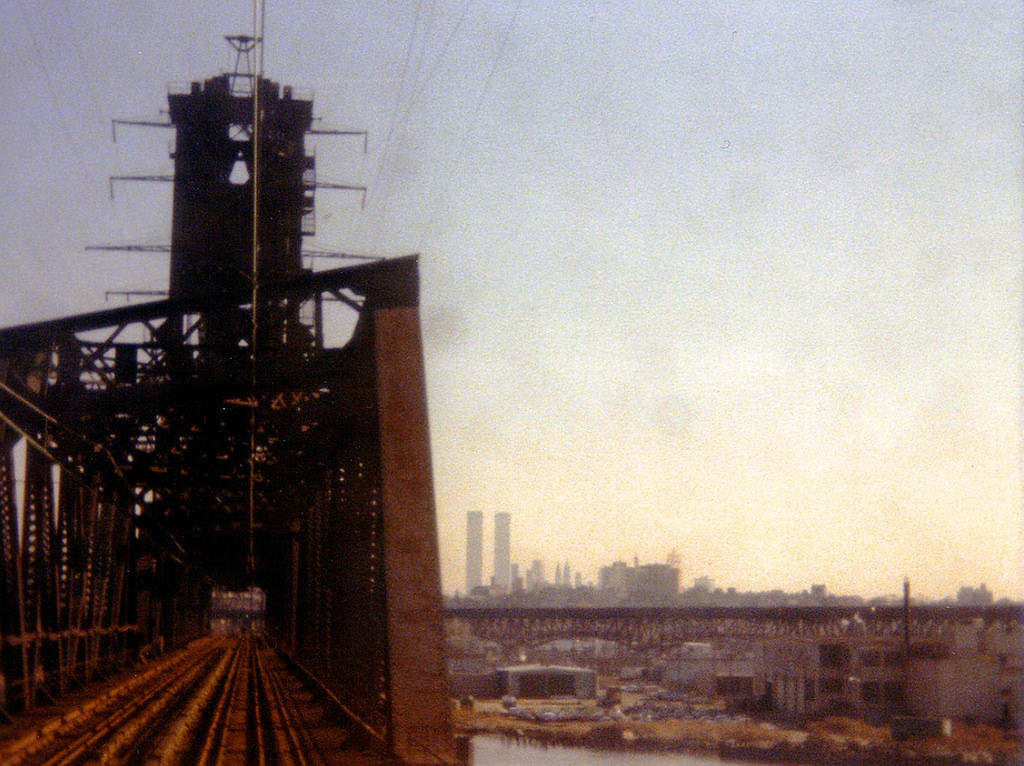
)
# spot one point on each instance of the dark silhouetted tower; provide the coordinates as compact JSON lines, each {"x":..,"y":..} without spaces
{"x":215,"y":164}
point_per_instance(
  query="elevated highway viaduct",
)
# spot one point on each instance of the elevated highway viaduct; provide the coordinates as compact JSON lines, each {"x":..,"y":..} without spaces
{"x":664,"y":626}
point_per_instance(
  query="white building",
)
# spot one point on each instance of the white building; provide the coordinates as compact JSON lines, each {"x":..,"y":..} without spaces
{"x":969,"y":671}
{"x":974,"y":671}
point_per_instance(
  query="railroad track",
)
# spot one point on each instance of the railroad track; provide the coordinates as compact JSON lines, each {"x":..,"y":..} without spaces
{"x":221,"y":701}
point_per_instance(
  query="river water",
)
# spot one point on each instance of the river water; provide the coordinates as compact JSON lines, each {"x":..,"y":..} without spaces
{"x":493,"y":751}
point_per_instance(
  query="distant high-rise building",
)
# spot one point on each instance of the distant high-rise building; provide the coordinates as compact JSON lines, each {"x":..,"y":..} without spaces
{"x":563,"y":575}
{"x":535,"y":575}
{"x":704,"y":584}
{"x":655,"y":580}
{"x":502,"y":550}
{"x":516,"y":580}
{"x":647,"y":581}
{"x":615,"y":577}
{"x":979,"y":596}
{"x":474,"y":550}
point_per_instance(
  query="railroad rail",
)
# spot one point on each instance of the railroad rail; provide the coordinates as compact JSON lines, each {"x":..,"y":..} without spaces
{"x":221,"y":700}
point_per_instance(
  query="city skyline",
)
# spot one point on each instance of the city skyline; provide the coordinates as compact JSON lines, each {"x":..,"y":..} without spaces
{"x":737,"y":279}
{"x":534,"y":576}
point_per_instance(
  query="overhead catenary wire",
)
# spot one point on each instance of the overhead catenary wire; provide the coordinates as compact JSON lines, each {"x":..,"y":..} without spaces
{"x":471,"y":124}
{"x":411,"y":88}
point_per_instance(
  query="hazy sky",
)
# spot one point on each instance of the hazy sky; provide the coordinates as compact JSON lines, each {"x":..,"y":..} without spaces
{"x":737,"y":279}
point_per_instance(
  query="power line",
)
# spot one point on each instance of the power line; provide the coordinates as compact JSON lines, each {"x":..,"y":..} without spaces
{"x":417,"y":87}
{"x":393,"y":122}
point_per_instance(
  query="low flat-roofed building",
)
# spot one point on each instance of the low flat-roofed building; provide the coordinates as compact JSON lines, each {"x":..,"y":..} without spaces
{"x":544,"y":681}
{"x":697,"y":666}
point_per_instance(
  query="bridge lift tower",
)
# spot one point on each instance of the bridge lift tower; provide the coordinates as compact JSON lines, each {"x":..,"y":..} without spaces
{"x":225,"y":436}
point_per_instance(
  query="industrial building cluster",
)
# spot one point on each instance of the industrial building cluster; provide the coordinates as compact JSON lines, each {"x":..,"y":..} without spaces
{"x":971,"y":670}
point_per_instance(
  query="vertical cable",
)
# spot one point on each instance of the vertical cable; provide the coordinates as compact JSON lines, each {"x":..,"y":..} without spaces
{"x":258,"y":17}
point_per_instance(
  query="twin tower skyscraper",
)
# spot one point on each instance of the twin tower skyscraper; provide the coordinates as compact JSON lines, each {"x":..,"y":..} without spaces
{"x":502,"y":578}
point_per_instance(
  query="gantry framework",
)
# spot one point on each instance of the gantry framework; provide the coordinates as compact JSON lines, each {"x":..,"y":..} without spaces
{"x":230,"y":435}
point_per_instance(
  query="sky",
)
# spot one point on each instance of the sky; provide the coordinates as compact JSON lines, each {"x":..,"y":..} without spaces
{"x":737,"y":279}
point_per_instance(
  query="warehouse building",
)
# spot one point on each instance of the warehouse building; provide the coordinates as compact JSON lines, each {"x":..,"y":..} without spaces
{"x":544,"y":681}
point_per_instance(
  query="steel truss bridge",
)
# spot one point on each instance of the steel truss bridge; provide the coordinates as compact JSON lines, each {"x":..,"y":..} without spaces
{"x":664,"y":627}
{"x":264,"y":425}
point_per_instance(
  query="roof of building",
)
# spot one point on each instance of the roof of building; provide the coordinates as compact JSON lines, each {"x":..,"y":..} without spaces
{"x":545,"y":669}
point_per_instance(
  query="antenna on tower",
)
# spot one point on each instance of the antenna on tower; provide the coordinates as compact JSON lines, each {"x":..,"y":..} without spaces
{"x":241,"y":80}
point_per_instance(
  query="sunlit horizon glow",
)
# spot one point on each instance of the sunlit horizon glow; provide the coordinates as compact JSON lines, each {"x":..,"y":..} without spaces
{"x":737,"y":279}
